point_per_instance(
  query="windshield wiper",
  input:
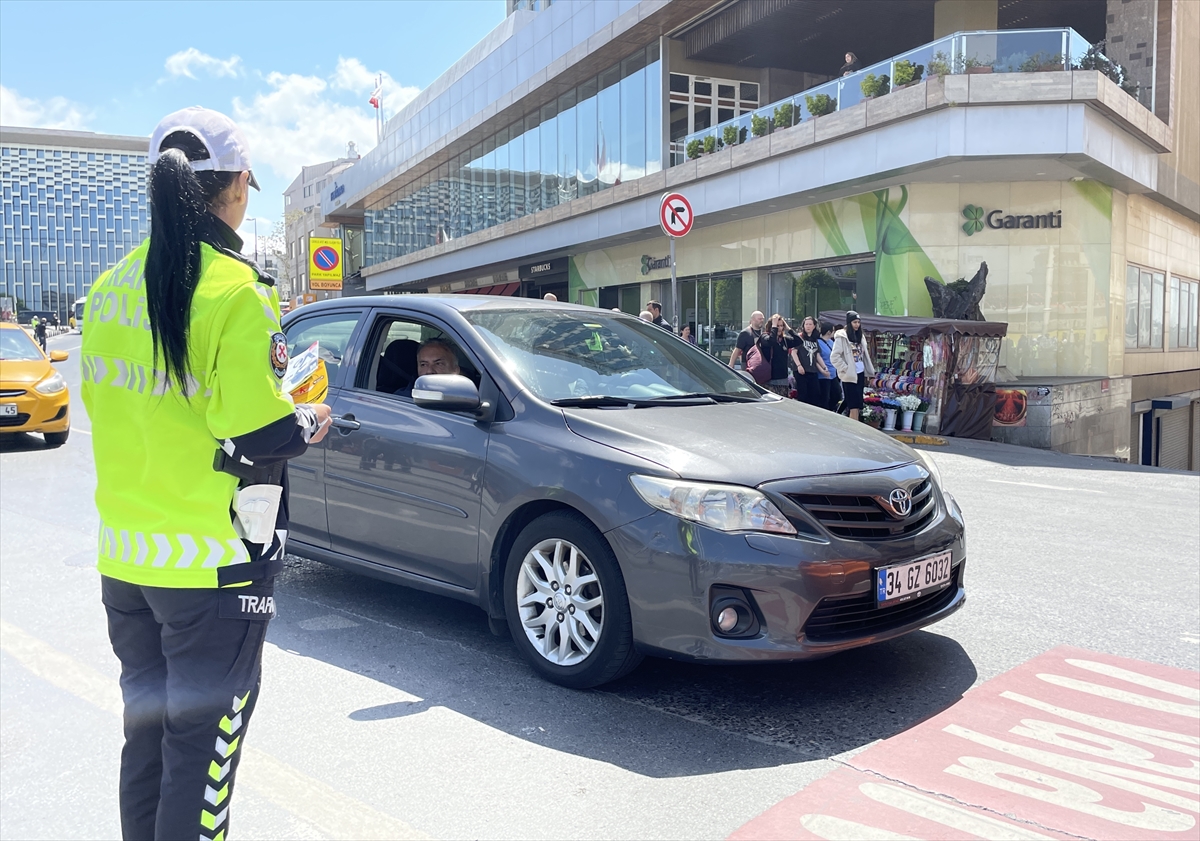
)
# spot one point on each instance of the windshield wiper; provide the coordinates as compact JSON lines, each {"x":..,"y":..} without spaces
{"x":600,"y":401}
{"x":712,"y":395}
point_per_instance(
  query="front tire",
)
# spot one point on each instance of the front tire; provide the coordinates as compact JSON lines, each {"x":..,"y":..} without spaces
{"x":56,"y":439}
{"x":566,"y":604}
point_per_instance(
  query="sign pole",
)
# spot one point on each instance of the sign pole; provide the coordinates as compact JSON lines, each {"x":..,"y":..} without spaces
{"x":674,"y":289}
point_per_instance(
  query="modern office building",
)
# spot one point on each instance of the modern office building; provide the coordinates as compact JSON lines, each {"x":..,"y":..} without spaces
{"x":302,"y":219}
{"x":74,"y":203}
{"x":969,"y":131}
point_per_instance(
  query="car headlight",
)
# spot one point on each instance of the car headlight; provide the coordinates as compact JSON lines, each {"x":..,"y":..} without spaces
{"x":722,"y":507}
{"x":932,"y":467}
{"x":53,"y":384}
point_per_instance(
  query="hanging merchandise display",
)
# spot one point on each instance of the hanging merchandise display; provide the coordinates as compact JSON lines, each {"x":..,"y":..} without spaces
{"x":932,"y":375}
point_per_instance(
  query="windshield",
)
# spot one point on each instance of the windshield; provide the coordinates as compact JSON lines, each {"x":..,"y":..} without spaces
{"x":560,"y":355}
{"x":16,"y":344}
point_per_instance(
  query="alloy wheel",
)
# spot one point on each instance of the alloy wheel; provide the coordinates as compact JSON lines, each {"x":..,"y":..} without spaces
{"x":560,"y":602}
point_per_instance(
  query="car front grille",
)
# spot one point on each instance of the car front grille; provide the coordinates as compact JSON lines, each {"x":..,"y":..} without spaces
{"x":11,"y":392}
{"x":837,"y":619}
{"x":863,"y":518}
{"x":14,"y":420}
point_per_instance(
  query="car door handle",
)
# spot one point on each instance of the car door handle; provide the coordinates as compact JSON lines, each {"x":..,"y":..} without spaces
{"x":345,"y":424}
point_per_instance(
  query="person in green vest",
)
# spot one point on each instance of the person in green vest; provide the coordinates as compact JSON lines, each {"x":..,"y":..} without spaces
{"x":182,"y":361}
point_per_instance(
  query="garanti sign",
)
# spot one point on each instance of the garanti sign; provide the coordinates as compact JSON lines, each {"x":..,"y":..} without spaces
{"x":978,"y":218}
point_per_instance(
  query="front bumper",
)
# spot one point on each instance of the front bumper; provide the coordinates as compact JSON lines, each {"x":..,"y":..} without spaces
{"x":35,"y":412}
{"x":814,"y":596}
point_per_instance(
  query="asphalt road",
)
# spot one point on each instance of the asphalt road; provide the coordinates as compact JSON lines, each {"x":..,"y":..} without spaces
{"x":388,"y":713}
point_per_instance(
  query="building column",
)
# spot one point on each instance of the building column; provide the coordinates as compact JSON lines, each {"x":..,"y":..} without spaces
{"x":754,"y":293}
{"x":950,"y":16}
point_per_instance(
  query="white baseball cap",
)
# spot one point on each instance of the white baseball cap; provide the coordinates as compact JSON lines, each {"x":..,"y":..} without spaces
{"x":227,"y":148}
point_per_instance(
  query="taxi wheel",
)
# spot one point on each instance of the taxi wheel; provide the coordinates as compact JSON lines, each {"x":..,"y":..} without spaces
{"x":566,"y":605}
{"x":56,"y":439}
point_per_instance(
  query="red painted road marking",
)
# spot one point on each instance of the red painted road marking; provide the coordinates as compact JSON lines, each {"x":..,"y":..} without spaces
{"x":1070,"y":743}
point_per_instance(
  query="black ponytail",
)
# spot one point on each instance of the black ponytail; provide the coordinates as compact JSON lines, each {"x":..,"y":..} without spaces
{"x":179,"y":220}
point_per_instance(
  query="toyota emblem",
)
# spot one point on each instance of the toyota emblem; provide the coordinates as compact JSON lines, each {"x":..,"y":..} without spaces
{"x":901,"y":502}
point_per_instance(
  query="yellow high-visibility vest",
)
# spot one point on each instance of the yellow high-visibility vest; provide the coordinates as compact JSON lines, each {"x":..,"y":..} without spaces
{"x":164,"y":511}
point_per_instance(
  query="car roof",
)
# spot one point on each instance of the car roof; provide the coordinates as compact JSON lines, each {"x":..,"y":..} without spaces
{"x":442,"y":304}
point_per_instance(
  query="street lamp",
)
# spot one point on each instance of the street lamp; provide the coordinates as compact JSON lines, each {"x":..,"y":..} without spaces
{"x":255,"y":219}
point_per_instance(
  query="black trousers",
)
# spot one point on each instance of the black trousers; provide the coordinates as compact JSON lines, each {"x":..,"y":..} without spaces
{"x":831,"y":394}
{"x":190,"y":668}
{"x":808,"y":388}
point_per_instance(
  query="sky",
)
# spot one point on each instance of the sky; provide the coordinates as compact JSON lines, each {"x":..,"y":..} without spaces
{"x":296,"y":76}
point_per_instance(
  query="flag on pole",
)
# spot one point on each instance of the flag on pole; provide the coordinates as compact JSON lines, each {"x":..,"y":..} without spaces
{"x":376,"y":97}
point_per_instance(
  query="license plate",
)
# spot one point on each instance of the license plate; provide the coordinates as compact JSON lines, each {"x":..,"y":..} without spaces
{"x":8,"y":410}
{"x":911,"y":580}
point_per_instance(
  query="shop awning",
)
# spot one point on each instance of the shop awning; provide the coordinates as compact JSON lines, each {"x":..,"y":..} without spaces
{"x":919,"y":327}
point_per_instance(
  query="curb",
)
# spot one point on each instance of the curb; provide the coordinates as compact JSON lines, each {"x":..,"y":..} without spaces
{"x":919,"y":438}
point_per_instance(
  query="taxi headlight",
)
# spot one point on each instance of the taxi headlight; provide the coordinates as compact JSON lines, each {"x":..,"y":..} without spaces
{"x":722,"y":507}
{"x":931,"y":465}
{"x":53,"y":384}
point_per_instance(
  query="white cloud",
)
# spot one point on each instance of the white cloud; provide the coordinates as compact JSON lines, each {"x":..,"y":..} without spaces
{"x":55,"y":112}
{"x":301,"y":121}
{"x":190,"y":61}
{"x":352,"y":75}
{"x":297,"y":124}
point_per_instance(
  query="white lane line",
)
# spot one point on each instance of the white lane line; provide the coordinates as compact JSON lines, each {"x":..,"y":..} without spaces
{"x":336,"y":814}
{"x":1194,"y":639}
{"x":1047,"y":487}
{"x":81,"y":430}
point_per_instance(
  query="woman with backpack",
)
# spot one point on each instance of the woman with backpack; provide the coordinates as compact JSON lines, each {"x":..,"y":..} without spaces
{"x":852,"y":359}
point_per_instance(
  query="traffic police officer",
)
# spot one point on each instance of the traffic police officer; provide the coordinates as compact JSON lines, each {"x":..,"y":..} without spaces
{"x":182,"y":361}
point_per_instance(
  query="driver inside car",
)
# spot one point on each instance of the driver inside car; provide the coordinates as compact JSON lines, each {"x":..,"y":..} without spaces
{"x":435,"y":356}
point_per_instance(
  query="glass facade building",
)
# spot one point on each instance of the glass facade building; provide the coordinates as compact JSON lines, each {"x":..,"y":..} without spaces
{"x":601,"y":133}
{"x":73,"y":204}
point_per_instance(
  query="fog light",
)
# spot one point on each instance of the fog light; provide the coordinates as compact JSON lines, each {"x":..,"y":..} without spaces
{"x":731,"y":614}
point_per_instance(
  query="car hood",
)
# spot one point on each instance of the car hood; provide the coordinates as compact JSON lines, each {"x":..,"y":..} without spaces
{"x":24,"y":372}
{"x":742,"y":443}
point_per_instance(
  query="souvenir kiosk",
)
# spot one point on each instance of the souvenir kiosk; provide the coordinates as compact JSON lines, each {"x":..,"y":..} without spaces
{"x":950,"y":365}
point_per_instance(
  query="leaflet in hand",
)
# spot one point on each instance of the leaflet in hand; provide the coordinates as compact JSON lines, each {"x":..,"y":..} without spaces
{"x":306,"y":379}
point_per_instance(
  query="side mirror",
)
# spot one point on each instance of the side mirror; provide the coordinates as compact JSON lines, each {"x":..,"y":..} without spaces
{"x":59,"y":356}
{"x":448,"y":393}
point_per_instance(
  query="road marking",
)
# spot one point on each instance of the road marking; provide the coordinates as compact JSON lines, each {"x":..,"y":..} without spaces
{"x":81,"y":430}
{"x":1047,"y":487}
{"x":1034,"y":753}
{"x":336,"y":814}
{"x":1194,"y":639}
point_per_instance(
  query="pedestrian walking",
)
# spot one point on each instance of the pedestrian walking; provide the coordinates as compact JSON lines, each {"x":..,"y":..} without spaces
{"x":686,"y":334}
{"x":192,"y":408}
{"x":39,"y":331}
{"x":810,"y":367}
{"x":746,"y":339}
{"x":655,"y":310}
{"x":852,"y":360}
{"x":829,"y":384}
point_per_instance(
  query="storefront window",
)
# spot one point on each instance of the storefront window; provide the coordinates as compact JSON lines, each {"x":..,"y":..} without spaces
{"x":606,"y":131}
{"x":800,"y":292}
{"x":712,"y":307}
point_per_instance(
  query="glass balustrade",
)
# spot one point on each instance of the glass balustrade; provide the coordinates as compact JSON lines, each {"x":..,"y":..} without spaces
{"x":998,"y":51}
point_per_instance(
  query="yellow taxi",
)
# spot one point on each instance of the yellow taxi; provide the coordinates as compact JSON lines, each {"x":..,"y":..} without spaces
{"x":33,"y":396}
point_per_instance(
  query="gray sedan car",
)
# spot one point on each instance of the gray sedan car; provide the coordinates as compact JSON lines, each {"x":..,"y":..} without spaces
{"x":604,"y":490}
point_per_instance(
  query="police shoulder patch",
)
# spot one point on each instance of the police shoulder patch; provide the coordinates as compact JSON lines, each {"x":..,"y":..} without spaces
{"x":279,"y":354}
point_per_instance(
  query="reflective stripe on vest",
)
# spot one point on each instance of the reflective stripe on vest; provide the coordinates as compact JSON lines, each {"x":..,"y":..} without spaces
{"x":177,"y":551}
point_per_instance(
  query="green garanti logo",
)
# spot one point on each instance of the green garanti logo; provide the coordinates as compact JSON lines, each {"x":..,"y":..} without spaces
{"x":974,"y":217}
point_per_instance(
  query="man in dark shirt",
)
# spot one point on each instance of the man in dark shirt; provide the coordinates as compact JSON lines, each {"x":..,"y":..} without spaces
{"x":655,"y":309}
{"x":747,"y":338}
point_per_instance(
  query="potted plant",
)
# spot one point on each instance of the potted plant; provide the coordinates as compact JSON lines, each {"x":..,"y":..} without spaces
{"x":783,"y":115}
{"x":759,"y":126}
{"x":729,"y":135}
{"x":939,"y":65}
{"x":871,"y":416}
{"x":919,"y":416}
{"x":820,"y":104}
{"x":907,"y":73}
{"x":909,"y":404}
{"x":873,"y":86}
{"x":891,"y":408}
{"x":694,"y":148}
{"x":710,"y":144}
{"x":1095,"y":59}
{"x":1041,"y":62}
{"x":973,"y":65}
